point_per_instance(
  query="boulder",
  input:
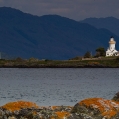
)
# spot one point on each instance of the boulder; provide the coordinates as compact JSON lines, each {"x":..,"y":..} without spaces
{"x":29,"y":110}
{"x":16,"y":106}
{"x":95,"y":108}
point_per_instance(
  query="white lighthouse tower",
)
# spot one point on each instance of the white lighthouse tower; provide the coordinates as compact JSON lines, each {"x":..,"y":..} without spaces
{"x":111,"y":51}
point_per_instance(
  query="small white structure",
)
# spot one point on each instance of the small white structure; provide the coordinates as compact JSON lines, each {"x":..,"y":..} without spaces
{"x":111,"y":51}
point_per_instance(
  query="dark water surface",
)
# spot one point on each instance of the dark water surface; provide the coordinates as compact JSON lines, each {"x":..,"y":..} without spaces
{"x":57,"y":86}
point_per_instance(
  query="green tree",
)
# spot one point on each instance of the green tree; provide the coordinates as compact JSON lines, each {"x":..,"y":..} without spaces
{"x":87,"y":55}
{"x":100,"y":52}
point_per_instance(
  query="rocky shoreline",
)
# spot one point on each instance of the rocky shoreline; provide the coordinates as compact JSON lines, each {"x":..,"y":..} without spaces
{"x":91,"y":108}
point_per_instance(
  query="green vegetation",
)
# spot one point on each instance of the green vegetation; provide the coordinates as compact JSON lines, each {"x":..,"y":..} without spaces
{"x":87,"y":55}
{"x":76,"y":62}
{"x":100,"y":52}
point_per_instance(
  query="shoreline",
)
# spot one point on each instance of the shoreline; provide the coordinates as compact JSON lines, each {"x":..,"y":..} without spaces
{"x":87,"y":63}
{"x":58,"y":67}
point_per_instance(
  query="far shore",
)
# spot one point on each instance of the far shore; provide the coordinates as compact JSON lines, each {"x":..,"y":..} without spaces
{"x":101,"y":62}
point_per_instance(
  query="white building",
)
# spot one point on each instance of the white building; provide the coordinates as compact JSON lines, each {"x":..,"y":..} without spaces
{"x":111,"y":51}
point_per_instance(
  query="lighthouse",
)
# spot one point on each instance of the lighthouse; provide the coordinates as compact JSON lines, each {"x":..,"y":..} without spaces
{"x":112,"y":43}
{"x":111,"y":51}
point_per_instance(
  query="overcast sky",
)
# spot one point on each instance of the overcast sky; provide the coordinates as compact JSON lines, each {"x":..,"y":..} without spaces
{"x":74,"y":9}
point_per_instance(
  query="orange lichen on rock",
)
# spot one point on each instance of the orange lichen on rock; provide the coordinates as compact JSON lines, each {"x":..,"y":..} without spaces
{"x":13,"y":106}
{"x":107,"y":108}
{"x":62,"y":115}
{"x":57,"y":107}
{"x":54,"y":107}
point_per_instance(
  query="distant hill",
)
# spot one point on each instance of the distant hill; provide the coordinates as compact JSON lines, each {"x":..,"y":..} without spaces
{"x":109,"y":23}
{"x":49,"y":36}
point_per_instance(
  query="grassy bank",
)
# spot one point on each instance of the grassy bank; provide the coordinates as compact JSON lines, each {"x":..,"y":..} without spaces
{"x":112,"y":62}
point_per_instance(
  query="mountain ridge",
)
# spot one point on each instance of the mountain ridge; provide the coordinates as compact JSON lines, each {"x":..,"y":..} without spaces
{"x":49,"y":36}
{"x":109,"y":23}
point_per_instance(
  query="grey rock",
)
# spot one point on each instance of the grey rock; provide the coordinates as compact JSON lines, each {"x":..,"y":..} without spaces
{"x":116,"y":97}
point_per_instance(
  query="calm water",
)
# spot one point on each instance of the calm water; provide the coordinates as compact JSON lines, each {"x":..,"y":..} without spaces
{"x":57,"y":86}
